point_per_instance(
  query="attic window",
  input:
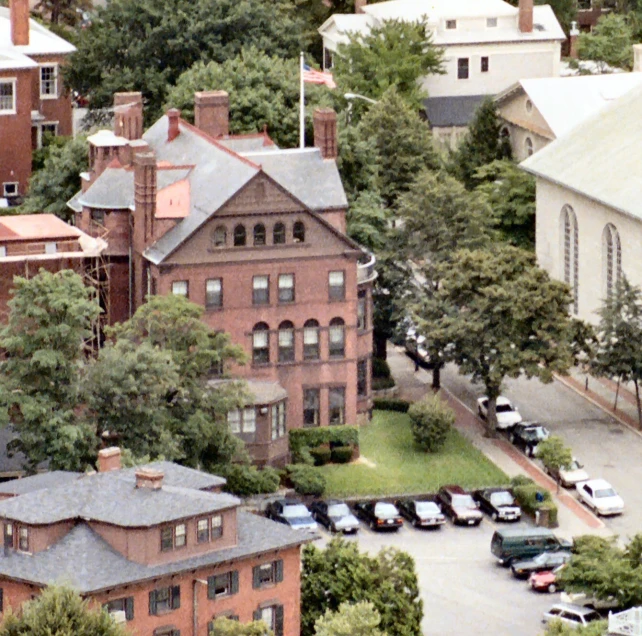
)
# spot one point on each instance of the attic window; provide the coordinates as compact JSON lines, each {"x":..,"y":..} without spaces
{"x":451,"y":24}
{"x":491,"y":22}
{"x":529,"y":106}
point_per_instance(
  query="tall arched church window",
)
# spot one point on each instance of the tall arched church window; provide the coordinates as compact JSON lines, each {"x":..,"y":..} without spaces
{"x":571,"y":253}
{"x":611,"y":258}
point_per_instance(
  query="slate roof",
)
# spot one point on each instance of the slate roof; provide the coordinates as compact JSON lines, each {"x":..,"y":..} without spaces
{"x":85,"y":561}
{"x":38,"y":482}
{"x":262,"y":391}
{"x":260,"y":142}
{"x":181,"y":476}
{"x":457,"y":110}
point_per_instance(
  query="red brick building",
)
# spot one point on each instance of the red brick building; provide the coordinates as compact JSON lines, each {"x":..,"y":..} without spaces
{"x":33,"y":100}
{"x":254,"y":234}
{"x":159,"y":546}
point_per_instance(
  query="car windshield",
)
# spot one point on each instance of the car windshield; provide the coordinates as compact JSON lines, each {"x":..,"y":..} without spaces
{"x":385,"y":510}
{"x":535,"y":434}
{"x":504,"y":408}
{"x":503,"y":498}
{"x":338,"y":510}
{"x":605,"y":492}
{"x":426,"y":507}
{"x":541,"y":558}
{"x":463,"y":501}
{"x":295,"y":511}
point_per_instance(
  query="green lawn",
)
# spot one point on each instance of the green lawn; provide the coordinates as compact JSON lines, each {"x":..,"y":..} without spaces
{"x":400,"y":468}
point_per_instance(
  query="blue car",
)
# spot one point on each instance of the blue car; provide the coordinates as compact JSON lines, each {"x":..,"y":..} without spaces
{"x":292,"y":513}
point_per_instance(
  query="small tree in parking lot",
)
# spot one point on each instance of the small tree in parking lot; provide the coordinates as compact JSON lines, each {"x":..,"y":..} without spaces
{"x":430,"y":422}
{"x":555,"y":454}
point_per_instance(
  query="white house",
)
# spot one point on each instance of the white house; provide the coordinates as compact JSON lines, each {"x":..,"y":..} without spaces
{"x":589,"y":203}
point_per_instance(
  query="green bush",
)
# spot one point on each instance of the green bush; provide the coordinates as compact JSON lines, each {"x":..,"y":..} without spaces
{"x":391,"y":404}
{"x":380,"y":368}
{"x":521,"y":480}
{"x":306,"y":480}
{"x":526,"y":496}
{"x":331,"y":435}
{"x":341,"y":454}
{"x":430,"y":422}
{"x":302,"y":456}
{"x":245,"y":480}
{"x":321,"y":455}
{"x":378,"y":384}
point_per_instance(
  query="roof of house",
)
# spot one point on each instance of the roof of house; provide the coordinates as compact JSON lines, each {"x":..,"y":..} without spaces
{"x":34,"y":227}
{"x":457,"y":110}
{"x":41,"y":40}
{"x":600,"y":159}
{"x":85,"y":561}
{"x":40,"y":481}
{"x":262,"y":391}
{"x":565,"y":102}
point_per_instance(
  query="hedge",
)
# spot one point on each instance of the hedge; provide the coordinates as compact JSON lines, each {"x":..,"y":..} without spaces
{"x":301,"y":438}
{"x":380,"y":368}
{"x":341,"y":454}
{"x":321,"y":455}
{"x":246,"y":480}
{"x":379,"y":384}
{"x":306,"y":480}
{"x":526,"y":491}
{"x":391,"y":404}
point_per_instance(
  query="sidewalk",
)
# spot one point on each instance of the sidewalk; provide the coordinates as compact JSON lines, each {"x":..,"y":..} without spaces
{"x":574,"y":519}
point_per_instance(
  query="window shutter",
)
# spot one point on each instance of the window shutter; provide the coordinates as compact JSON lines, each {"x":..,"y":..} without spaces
{"x":176,"y":597}
{"x":278,"y":567}
{"x":256,"y":581}
{"x":210,"y":587}
{"x":129,"y":608}
{"x":1,"y":600}
{"x":278,"y":620}
{"x":152,"y":603}
{"x":256,"y":616}
{"x":235,"y":582}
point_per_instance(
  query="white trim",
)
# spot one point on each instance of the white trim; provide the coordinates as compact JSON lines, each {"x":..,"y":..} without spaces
{"x":14,"y":83}
{"x":4,"y":189}
{"x":39,"y":132}
{"x":55,"y":94}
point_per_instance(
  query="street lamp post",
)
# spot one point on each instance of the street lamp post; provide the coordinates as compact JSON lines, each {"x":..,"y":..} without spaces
{"x":351,"y":96}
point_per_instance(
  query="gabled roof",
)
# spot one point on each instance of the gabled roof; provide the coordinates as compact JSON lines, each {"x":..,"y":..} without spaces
{"x":36,"y":227}
{"x":457,"y":110}
{"x":602,"y":158}
{"x":40,"y":481}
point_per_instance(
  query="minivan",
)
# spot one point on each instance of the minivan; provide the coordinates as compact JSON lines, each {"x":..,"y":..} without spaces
{"x":512,"y":544}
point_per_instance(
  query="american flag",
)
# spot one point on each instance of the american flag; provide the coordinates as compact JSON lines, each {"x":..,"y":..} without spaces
{"x":317,"y":77}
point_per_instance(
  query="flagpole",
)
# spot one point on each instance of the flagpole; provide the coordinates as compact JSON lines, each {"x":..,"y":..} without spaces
{"x":301,"y":105}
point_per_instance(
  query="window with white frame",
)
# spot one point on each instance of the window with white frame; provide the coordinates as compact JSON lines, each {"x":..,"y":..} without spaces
{"x":261,"y":344}
{"x":272,"y":616}
{"x":49,"y":81}
{"x":337,"y":338}
{"x":337,"y":405}
{"x":337,"y":285}
{"x":214,"y":293}
{"x":311,"y":399}
{"x":612,"y":258}
{"x":10,"y":189}
{"x":278,"y":420}
{"x":210,"y":528}
{"x":7,"y":96}
{"x":286,"y":341}
{"x":311,"y":340}
{"x":180,"y":288}
{"x":234,"y":421}
{"x":260,"y":290}
{"x":571,"y":253}
{"x":286,"y":288}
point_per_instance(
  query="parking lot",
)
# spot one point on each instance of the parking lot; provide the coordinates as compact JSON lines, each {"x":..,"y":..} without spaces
{"x":463,"y":588}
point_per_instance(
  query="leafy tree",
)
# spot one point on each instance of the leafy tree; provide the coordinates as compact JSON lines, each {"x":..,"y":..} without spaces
{"x":555,"y":454}
{"x":558,"y":628}
{"x":509,"y":318}
{"x":139,"y":45}
{"x":59,"y":611}
{"x":67,"y":12}
{"x":357,"y":161}
{"x":609,"y":43}
{"x":481,"y":145}
{"x":50,"y":317}
{"x":263,"y":90}
{"x":341,"y":574}
{"x":618,"y":354}
{"x":227,"y":627}
{"x":367,"y":221}
{"x":58,"y":180}
{"x":351,"y":619}
{"x":430,"y":421}
{"x":510,"y":193}
{"x":395,"y":54}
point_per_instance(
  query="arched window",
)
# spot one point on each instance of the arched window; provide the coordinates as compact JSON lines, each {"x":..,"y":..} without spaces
{"x":286,"y":341}
{"x":261,"y":343}
{"x":570,"y":238}
{"x":528,"y":144}
{"x":239,"y":236}
{"x":298,"y":232}
{"x":278,"y":234}
{"x":337,"y":338}
{"x":311,"y":340}
{"x":259,"y":234}
{"x":219,"y":236}
{"x":611,"y":258}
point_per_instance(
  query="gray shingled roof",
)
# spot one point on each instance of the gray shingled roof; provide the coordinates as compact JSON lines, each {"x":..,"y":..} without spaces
{"x":85,"y":561}
{"x":254,"y":143}
{"x":262,"y":391}
{"x":457,"y":110}
{"x":38,"y":482}
{"x":181,"y":476}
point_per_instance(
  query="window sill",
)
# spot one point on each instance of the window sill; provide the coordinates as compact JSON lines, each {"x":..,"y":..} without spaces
{"x":286,"y":363}
{"x":214,"y":308}
{"x":48,"y":97}
{"x":8,"y":112}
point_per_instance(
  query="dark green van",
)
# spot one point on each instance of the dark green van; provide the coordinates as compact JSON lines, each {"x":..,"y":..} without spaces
{"x":514,"y":544}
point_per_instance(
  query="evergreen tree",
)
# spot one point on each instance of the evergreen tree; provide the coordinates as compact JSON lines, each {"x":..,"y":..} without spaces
{"x":609,"y":43}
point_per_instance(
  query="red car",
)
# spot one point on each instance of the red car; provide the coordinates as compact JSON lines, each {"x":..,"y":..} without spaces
{"x":545,"y":581}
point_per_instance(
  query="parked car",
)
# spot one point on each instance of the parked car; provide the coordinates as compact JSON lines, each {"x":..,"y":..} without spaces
{"x":599,"y":495}
{"x":335,"y":516}
{"x":292,"y":513}
{"x":527,"y":435}
{"x":507,"y":414}
{"x":541,"y":563}
{"x":570,"y":475}
{"x":416,"y":347}
{"x":459,"y":505}
{"x":580,"y":598}
{"x":379,"y":515}
{"x":569,"y":614}
{"x":518,"y":544}
{"x":499,"y":503}
{"x":421,"y":514}
{"x":546,"y":581}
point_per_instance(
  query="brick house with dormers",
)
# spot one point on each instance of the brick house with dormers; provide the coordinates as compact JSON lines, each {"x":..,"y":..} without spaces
{"x":254,"y":234}
{"x":159,"y":546}
{"x":33,"y":100}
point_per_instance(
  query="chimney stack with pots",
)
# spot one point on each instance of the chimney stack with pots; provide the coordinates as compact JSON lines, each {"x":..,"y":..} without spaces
{"x":526,"y":16}
{"x":212,"y":112}
{"x":128,"y":115}
{"x":359,"y":4}
{"x":572,"y":40}
{"x":148,"y":478}
{"x":325,"y":132}
{"x":173,"y":115}
{"x":144,"y":198}
{"x":19,"y":18}
{"x":109,"y":459}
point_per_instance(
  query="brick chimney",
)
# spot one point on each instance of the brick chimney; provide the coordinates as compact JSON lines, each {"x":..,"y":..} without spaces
{"x":144,"y":198}
{"x":212,"y":112}
{"x":525,"y":16}
{"x":173,"y":115}
{"x":19,"y":13}
{"x":148,"y":478}
{"x":109,"y":459}
{"x":128,"y":115}
{"x":325,"y":132}
{"x":572,"y":40}
{"x":359,"y":4}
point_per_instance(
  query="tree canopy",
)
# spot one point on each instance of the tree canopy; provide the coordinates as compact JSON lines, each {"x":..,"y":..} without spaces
{"x":351,"y":619}
{"x":227,"y":627}
{"x":609,"y":43}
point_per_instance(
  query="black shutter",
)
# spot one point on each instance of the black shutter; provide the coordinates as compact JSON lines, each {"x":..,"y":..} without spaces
{"x":175,"y":596}
{"x":256,"y":616}
{"x":278,"y":620}
{"x":129,"y":608}
{"x":256,"y":577}
{"x":211,"y":593}
{"x":234,"y":587}
{"x":278,"y":570}
{"x":152,"y":603}
{"x":1,"y":600}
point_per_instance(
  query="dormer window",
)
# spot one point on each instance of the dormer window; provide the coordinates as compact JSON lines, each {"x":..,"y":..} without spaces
{"x":491,"y":22}
{"x":451,"y":24}
{"x":23,"y":539}
{"x":209,"y":529}
{"x":173,"y":537}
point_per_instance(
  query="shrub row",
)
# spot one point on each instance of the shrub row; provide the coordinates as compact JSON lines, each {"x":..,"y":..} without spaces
{"x":245,"y":480}
{"x":306,"y":480}
{"x":334,"y":436}
{"x":323,"y":455}
{"x":378,"y":384}
{"x":380,"y":368}
{"x":526,"y":492}
{"x":391,"y":404}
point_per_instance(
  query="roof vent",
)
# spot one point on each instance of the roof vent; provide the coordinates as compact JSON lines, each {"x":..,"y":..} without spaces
{"x":148,"y":478}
